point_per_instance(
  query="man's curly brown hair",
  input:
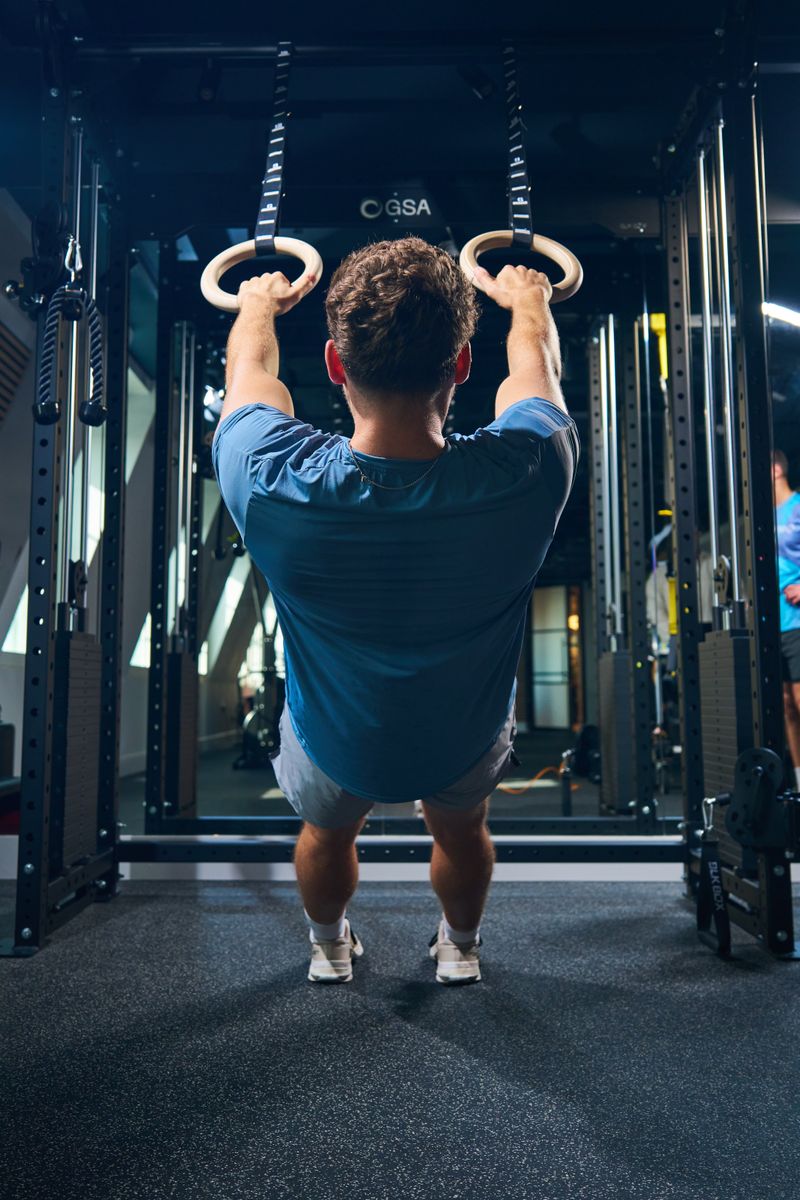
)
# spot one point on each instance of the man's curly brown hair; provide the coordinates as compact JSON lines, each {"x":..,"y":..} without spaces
{"x":398,"y":313}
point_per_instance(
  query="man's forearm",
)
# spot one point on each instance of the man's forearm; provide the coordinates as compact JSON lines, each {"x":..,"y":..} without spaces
{"x":253,"y":338}
{"x":532,"y":341}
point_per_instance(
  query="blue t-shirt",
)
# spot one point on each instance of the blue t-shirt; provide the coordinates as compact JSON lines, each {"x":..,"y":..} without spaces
{"x":787,"y":528}
{"x":402,"y":611}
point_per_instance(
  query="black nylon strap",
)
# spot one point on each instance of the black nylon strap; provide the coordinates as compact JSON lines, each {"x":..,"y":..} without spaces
{"x":711,"y":904}
{"x":519,"y":200}
{"x":272,"y":183}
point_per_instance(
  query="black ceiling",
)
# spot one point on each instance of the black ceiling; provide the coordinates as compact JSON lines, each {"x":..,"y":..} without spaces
{"x":383,"y":101}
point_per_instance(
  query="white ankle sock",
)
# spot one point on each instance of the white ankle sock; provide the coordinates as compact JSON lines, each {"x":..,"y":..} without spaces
{"x":460,"y":936}
{"x":325,"y":933}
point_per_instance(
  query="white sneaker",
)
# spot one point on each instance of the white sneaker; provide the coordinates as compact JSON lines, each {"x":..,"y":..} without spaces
{"x":454,"y":963}
{"x":332,"y":962}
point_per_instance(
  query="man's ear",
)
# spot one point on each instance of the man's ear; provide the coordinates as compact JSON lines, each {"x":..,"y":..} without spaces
{"x":463,"y":364}
{"x":334,"y":364}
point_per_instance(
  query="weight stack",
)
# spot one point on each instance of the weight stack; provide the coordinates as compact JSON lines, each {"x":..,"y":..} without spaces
{"x":617,"y":740}
{"x":76,"y":750}
{"x":725,"y":706}
{"x":181,"y":741}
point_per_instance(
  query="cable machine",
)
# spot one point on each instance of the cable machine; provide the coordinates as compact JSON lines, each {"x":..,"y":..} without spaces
{"x":619,"y":564}
{"x":70,"y":762}
{"x":741,"y":831}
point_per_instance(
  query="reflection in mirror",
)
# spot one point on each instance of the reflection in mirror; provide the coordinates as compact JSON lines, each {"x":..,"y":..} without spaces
{"x":780,"y":107}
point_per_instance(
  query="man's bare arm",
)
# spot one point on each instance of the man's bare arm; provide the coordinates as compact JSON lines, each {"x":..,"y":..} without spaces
{"x":534,"y":354}
{"x":252,"y":361}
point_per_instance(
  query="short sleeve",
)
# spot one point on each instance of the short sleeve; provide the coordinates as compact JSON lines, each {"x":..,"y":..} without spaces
{"x":790,"y":536}
{"x":542,"y":436}
{"x":254,"y":441}
{"x":527,"y":419}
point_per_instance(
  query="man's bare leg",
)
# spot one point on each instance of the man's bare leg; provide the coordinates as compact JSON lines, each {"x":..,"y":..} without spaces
{"x":462,"y":862}
{"x":326,"y":864}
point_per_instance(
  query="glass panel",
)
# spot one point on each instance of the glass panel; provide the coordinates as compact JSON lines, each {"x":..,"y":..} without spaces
{"x":550,"y":660}
{"x":141,"y":411}
{"x":141,"y":653}
{"x":14,"y":642}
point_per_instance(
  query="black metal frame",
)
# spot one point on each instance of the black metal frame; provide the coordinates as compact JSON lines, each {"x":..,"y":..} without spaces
{"x":775,"y":915}
{"x":625,"y":704}
{"x":412,"y":848}
{"x":157,"y":698}
{"x":50,"y":891}
{"x":757,"y":882}
{"x":172,"y":683}
{"x":113,"y":541}
{"x":635,"y":559}
{"x":683,"y":502}
{"x":599,"y":597}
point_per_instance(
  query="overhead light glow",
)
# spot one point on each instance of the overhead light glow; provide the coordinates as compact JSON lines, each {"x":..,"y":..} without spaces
{"x":779,"y":312}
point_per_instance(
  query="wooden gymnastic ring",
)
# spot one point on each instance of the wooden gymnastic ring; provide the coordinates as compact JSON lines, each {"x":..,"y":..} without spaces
{"x":209,"y":281}
{"x":502,"y":239}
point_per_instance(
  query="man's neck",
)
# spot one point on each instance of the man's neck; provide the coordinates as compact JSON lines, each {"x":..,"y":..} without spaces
{"x":782,"y":492}
{"x":399,"y":432}
{"x":396,"y":443}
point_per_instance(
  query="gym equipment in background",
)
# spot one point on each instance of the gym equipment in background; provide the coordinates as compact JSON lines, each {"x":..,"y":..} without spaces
{"x":182,"y":675}
{"x":70,"y":742}
{"x":78,"y":654}
{"x":619,"y":569}
{"x":260,"y":734}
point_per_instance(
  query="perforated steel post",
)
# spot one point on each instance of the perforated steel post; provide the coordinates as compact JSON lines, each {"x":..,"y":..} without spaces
{"x":112,"y":577}
{"x":635,"y":572}
{"x":614,"y":475}
{"x":160,"y":600}
{"x":30,"y":921}
{"x":605,"y":493}
{"x":726,"y":361}
{"x":704,"y":246}
{"x":683,"y":501}
{"x":596,"y":494}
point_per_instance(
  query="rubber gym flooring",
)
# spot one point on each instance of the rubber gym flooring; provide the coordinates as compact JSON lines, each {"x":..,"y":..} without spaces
{"x":167,"y":1045}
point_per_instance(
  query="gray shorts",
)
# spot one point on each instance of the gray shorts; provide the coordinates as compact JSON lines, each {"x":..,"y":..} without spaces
{"x":319,"y":801}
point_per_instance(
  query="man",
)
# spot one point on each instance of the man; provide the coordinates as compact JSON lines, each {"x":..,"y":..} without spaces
{"x":787,"y":528}
{"x":401,"y":564}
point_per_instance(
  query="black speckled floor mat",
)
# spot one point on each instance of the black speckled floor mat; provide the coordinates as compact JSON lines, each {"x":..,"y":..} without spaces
{"x":168,"y":1045}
